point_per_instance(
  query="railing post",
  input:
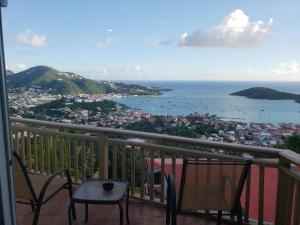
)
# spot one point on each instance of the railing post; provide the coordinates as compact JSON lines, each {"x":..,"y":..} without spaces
{"x":283,"y":186}
{"x":103,"y":155}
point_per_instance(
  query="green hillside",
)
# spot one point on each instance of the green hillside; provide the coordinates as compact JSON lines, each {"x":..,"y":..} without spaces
{"x":67,"y":83}
{"x":9,"y":72}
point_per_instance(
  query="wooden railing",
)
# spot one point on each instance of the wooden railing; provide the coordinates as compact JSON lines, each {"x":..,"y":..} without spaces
{"x":89,"y":151}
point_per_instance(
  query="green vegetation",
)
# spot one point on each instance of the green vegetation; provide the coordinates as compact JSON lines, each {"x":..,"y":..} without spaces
{"x":267,"y":93}
{"x":60,"y":108}
{"x":13,"y":111}
{"x":292,"y":143}
{"x":161,"y":125}
{"x":66,"y":83}
{"x":104,"y":107}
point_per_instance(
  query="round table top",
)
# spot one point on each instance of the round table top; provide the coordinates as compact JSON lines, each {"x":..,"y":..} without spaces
{"x":91,"y":191}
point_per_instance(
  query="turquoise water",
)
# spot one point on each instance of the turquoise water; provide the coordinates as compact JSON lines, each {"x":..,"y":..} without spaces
{"x":213,"y":98}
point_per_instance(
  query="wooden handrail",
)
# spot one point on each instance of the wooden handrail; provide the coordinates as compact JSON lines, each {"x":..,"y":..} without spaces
{"x":291,"y":156}
{"x":270,"y":152}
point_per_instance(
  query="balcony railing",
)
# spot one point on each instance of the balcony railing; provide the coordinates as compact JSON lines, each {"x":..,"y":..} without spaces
{"x":89,"y":151}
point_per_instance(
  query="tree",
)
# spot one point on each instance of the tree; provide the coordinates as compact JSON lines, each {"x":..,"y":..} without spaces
{"x":292,"y":143}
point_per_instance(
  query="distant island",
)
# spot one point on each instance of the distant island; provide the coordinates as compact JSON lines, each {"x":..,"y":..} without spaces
{"x":267,"y":93}
{"x":68,"y":83}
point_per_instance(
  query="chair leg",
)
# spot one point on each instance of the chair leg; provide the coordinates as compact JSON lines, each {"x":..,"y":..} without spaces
{"x":168,"y":206}
{"x":72,"y":205}
{"x":173,"y":209}
{"x":37,"y":213}
{"x":239,"y":215}
{"x":121,"y":212}
{"x":219,"y":218}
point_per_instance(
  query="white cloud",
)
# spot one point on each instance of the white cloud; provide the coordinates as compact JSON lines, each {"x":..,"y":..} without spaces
{"x":106,"y":42}
{"x":286,"y":68}
{"x":109,"y":30}
{"x":158,"y":43}
{"x":236,"y":30}
{"x":284,"y":71}
{"x":28,"y":37}
{"x":137,"y":68}
{"x":16,"y":67}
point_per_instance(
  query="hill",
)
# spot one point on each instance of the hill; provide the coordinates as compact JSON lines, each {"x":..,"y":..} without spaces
{"x":9,"y":72}
{"x":267,"y":93}
{"x":67,"y":83}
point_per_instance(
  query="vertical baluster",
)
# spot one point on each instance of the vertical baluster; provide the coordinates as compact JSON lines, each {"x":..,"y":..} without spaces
{"x":103,"y":155}
{"x":114,"y":161}
{"x":234,"y":182}
{"x":162,"y":177}
{"x":132,"y":168}
{"x":247,"y":197}
{"x":174,"y":165}
{"x":281,"y":197}
{"x":208,"y":171}
{"x":17,"y":142}
{"x":261,"y":195}
{"x":61,"y":152}
{"x":23,"y":147}
{"x":91,"y":159}
{"x":68,"y":161}
{"x":83,"y":165}
{"x":36,"y":166}
{"x":123,"y":163}
{"x":75,"y":160}
{"x":12,"y":140}
{"x":48,"y":154}
{"x":142,"y":172}
{"x":297,"y":204}
{"x":151,"y":174}
{"x":290,"y":197}
{"x":29,"y":150}
{"x":208,"y":175}
{"x":54,"y":163}
{"x":41,"y":142}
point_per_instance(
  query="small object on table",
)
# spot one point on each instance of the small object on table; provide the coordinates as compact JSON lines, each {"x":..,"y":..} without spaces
{"x":93,"y":191}
{"x":108,"y":185}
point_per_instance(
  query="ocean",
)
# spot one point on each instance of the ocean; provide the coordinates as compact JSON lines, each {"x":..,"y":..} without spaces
{"x":214,"y":98}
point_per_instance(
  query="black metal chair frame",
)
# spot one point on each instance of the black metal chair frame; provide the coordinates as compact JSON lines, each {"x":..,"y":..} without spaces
{"x":38,"y":201}
{"x":174,"y":207}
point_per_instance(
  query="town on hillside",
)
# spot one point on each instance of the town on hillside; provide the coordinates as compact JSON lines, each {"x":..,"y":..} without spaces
{"x":97,"y":110}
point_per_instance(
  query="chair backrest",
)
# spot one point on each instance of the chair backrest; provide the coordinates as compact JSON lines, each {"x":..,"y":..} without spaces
{"x":24,"y":188}
{"x":212,"y":184}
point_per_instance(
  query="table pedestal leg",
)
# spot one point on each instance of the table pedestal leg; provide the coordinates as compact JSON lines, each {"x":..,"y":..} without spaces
{"x":121,"y":212}
{"x":86,"y":213}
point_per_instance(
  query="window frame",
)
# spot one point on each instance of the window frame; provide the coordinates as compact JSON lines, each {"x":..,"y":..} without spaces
{"x":7,"y":194}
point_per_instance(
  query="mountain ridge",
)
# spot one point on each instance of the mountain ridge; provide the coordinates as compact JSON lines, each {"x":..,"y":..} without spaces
{"x":68,"y":83}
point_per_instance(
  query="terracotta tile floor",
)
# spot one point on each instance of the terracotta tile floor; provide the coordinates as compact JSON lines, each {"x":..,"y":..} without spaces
{"x":55,"y":213}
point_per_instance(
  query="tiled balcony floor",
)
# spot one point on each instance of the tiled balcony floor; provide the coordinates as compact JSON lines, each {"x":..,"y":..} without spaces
{"x":140,"y":213}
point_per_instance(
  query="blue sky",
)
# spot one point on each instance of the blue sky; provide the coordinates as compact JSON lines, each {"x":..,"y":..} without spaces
{"x":156,"y":40}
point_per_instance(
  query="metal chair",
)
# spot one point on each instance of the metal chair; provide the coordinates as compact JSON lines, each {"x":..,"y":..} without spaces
{"x":208,"y":187}
{"x":35,"y":189}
